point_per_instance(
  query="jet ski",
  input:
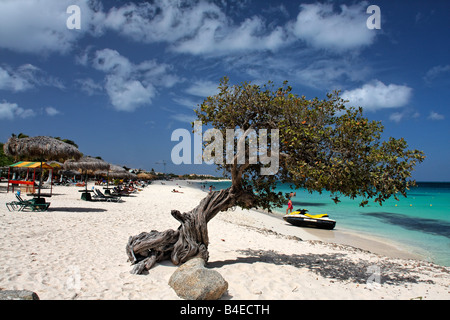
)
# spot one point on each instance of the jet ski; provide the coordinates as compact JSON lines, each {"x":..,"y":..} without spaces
{"x":301,"y":218}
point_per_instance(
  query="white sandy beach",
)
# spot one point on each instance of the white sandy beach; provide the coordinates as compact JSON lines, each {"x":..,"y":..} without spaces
{"x":76,"y":250}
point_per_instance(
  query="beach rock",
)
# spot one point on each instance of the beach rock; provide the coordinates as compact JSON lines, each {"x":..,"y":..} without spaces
{"x":192,"y":281}
{"x":18,"y":295}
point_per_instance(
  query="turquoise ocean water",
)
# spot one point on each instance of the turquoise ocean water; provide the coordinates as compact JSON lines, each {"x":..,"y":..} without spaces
{"x":421,"y":221}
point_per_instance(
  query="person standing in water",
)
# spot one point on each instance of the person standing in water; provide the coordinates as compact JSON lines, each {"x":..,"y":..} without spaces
{"x":290,"y":207}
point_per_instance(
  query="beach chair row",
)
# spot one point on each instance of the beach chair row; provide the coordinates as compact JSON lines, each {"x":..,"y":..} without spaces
{"x":100,"y":196}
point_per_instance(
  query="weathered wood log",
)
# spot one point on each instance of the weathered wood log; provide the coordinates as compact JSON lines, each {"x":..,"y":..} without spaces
{"x":146,"y":249}
{"x":190,"y":239}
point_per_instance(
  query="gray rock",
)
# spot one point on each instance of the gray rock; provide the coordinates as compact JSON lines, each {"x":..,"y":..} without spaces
{"x":192,"y":281}
{"x":18,"y":295}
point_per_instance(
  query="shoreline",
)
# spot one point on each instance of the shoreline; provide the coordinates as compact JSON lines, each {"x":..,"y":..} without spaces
{"x":364,"y":241}
{"x":354,"y":238}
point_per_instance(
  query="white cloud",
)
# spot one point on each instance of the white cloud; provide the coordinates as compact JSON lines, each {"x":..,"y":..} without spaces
{"x":197,"y":28}
{"x":183,"y":117}
{"x":217,"y":38}
{"x":194,"y":27}
{"x":24,"y":113}
{"x":321,"y":27}
{"x":376,"y":95}
{"x":128,"y":94}
{"x":39,"y":26}
{"x":89,"y":86}
{"x":21,"y":79}
{"x":201,"y":28}
{"x":9,"y":111}
{"x":51,"y":111}
{"x":404,"y":114}
{"x":436,"y":116}
{"x":202,"y":88}
{"x":108,"y":60}
{"x":128,"y":85}
{"x":396,"y":117}
{"x":436,"y":72}
{"x":326,"y":73}
{"x":162,"y":20}
{"x":188,"y":103}
{"x":13,"y":81}
{"x":25,"y":77}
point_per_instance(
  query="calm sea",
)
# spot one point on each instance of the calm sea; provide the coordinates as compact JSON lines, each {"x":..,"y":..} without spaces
{"x":421,"y":221}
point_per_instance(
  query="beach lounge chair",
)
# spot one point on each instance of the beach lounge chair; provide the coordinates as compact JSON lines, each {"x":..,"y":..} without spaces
{"x":14,"y":206}
{"x":120,"y":192}
{"x":102,"y":197}
{"x":33,"y":204}
{"x":17,"y":205}
{"x":98,"y":197}
{"x":22,"y":204}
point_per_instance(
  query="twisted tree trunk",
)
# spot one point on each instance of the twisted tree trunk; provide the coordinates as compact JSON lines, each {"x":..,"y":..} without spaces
{"x":191,"y":238}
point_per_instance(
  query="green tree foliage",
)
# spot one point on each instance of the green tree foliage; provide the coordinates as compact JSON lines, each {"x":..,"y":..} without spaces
{"x":71,"y":142}
{"x":4,"y":159}
{"x":324,"y":145}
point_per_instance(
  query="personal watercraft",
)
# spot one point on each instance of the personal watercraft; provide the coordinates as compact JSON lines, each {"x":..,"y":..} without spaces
{"x":301,"y":218}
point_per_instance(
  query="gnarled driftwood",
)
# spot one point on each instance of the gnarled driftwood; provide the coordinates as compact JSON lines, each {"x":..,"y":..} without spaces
{"x":190,"y":239}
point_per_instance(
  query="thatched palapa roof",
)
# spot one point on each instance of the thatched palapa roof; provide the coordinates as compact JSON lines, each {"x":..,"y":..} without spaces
{"x":86,"y":163}
{"x":115,"y":171}
{"x":70,"y":173}
{"x":146,"y":176}
{"x":40,"y":147}
{"x":44,"y":148}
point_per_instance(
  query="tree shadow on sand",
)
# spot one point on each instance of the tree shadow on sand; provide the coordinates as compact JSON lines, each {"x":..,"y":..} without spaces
{"x":333,"y":266}
{"x":76,"y":209}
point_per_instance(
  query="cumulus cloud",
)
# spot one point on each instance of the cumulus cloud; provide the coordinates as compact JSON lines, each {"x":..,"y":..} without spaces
{"x":201,"y":28}
{"x":194,"y":27}
{"x":129,"y":85}
{"x":39,"y":26}
{"x":51,"y":111}
{"x":320,"y":26}
{"x":376,"y":95}
{"x":128,"y":94}
{"x":162,"y":20}
{"x":10,"y":111}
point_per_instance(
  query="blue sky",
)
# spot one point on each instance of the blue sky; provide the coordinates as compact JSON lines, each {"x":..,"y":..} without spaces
{"x":134,"y":71}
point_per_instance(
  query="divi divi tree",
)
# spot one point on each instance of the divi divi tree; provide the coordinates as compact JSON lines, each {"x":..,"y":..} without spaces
{"x":321,"y":145}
